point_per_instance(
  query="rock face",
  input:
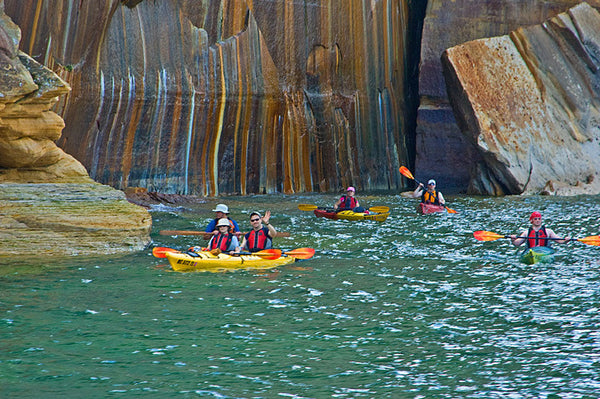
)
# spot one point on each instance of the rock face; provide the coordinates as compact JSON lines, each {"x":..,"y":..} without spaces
{"x":209,"y":97}
{"x":441,"y":149}
{"x":62,"y":211}
{"x":529,"y":101}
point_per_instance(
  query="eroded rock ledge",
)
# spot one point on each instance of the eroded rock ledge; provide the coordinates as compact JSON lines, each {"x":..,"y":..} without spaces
{"x":529,"y":103}
{"x":48,"y":203}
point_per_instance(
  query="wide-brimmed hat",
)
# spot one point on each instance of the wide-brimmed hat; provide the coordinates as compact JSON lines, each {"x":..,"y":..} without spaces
{"x":223,"y":222}
{"x":221,"y":208}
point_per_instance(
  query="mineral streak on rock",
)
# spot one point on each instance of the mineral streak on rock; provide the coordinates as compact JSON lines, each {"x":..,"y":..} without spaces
{"x":212,"y":97}
{"x":530,"y":103}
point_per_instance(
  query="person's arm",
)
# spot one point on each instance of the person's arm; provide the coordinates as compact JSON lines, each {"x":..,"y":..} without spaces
{"x":234,"y":247}
{"x":418,"y":191}
{"x":552,"y":234}
{"x":337,"y":204}
{"x":241,"y":246}
{"x":265,"y":220}
{"x":441,"y":199}
{"x":236,"y":227}
{"x":212,"y":226}
{"x":518,"y":240}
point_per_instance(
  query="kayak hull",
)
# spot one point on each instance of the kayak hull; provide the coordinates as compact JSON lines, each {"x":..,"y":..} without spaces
{"x":426,"y":209}
{"x":537,"y":255}
{"x":205,"y":261}
{"x":351,"y":215}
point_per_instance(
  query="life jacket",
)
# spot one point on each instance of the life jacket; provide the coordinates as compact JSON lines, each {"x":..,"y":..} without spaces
{"x":537,"y":238}
{"x":221,"y":241}
{"x":347,"y":203}
{"x":231,"y":225}
{"x":430,"y":198}
{"x":258,"y":240}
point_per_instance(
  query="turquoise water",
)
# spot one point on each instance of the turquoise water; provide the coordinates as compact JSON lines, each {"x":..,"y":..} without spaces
{"x":414,"y":307}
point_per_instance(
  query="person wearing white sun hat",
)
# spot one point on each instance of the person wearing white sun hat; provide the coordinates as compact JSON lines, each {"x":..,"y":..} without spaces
{"x":221,"y":211}
{"x":224,"y":240}
{"x":429,"y":195}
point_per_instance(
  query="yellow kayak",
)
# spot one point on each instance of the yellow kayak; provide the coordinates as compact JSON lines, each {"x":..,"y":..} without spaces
{"x":205,"y":261}
{"x":351,"y":215}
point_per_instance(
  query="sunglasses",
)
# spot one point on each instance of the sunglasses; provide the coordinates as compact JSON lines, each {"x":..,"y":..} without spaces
{"x":254,"y":220}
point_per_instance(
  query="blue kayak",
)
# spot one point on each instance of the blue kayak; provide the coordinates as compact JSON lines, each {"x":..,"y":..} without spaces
{"x":537,"y":255}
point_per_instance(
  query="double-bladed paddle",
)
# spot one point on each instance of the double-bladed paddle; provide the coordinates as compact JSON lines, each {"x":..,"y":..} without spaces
{"x":309,"y":207}
{"x":206,"y":235}
{"x":270,"y":254}
{"x":482,"y":235}
{"x":406,"y":173}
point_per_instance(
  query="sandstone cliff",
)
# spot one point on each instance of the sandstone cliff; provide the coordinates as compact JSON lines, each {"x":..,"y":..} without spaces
{"x":529,"y":102}
{"x":209,"y":97}
{"x":441,"y":149}
{"x":48,"y":203}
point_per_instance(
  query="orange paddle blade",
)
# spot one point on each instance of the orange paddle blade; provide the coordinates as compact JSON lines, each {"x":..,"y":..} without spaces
{"x":406,"y":173}
{"x":161,"y":252}
{"x":591,"y":240}
{"x":301,"y":253}
{"x":450,"y":210}
{"x":269,"y":254}
{"x":482,"y":235}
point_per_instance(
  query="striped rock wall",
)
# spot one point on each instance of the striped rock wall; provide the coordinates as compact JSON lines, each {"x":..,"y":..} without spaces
{"x":223,"y":96}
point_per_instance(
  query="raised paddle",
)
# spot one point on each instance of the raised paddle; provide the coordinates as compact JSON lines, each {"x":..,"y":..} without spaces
{"x":406,"y":173}
{"x":482,"y":235}
{"x":206,"y":235}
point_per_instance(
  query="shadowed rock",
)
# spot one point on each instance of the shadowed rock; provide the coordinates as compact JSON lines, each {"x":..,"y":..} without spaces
{"x":529,"y":102}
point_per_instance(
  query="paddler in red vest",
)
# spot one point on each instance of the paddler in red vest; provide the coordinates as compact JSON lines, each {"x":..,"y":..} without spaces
{"x":537,"y":235}
{"x":348,"y":202}
{"x":225,"y":240}
{"x":260,"y":237}
{"x":429,"y":195}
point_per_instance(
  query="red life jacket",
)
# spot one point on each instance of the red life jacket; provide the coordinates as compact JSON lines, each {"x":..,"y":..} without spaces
{"x":537,"y":238}
{"x":258,"y":240}
{"x":221,"y":241}
{"x":347,"y":203}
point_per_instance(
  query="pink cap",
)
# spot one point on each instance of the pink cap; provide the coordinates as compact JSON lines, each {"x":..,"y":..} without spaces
{"x":535,"y":214}
{"x":350,"y":189}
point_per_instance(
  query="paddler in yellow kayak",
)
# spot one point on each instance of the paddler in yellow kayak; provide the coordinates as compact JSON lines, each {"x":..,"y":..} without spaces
{"x":537,"y":235}
{"x":260,"y":237}
{"x":225,"y":240}
{"x":348,"y":202}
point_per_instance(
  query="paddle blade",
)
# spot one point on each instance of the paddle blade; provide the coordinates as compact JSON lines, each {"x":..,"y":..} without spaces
{"x":161,"y":252}
{"x":269,"y":254}
{"x":301,"y":253}
{"x":482,"y":235}
{"x":450,"y":210}
{"x":406,"y":173}
{"x":307,"y":207}
{"x":379,"y":209}
{"x":591,"y":240}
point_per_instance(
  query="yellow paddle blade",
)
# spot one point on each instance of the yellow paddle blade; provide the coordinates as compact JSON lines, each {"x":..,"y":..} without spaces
{"x":379,"y":209}
{"x":482,"y":235}
{"x":406,"y":173}
{"x":301,"y":253}
{"x":591,"y":240}
{"x":307,"y":207}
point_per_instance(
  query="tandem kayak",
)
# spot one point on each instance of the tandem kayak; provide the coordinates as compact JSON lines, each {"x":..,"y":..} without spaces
{"x":537,"y":255}
{"x":206,"y":261}
{"x":429,"y":208}
{"x":351,"y":215}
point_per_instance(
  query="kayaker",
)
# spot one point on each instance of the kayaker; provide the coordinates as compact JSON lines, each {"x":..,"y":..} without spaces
{"x":221,"y":211}
{"x":260,"y":237}
{"x":537,"y":235}
{"x":429,"y":195}
{"x":348,"y":202}
{"x":224,"y":240}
